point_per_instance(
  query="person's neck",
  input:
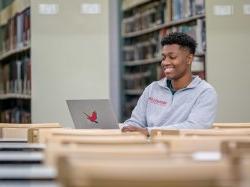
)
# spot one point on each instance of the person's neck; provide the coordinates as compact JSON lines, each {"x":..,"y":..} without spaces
{"x":182,"y":82}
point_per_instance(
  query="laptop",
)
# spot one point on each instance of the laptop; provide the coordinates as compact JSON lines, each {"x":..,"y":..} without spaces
{"x":92,"y":114}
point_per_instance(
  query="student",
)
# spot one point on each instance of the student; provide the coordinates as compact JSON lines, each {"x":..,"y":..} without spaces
{"x":178,"y":101}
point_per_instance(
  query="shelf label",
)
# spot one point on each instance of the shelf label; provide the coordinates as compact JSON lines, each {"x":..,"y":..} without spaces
{"x":48,"y":9}
{"x":246,"y":9}
{"x":223,"y":10}
{"x":90,"y":8}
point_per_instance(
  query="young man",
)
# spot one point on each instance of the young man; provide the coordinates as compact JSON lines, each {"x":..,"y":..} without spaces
{"x":178,"y":101}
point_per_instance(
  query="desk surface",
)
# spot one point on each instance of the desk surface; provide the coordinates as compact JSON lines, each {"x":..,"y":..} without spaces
{"x":27,"y":172}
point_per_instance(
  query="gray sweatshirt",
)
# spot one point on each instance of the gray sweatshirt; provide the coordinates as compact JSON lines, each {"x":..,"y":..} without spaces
{"x":193,"y":107}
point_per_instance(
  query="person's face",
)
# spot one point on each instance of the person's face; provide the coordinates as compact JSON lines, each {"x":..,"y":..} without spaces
{"x":176,"y":61}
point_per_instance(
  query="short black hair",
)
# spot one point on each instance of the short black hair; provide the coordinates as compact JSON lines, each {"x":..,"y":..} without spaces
{"x":181,"y":39}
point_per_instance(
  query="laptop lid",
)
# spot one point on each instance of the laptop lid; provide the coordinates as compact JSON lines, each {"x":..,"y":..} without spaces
{"x":92,"y":114}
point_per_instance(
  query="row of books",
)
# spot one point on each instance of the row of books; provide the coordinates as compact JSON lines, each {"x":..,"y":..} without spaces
{"x":15,"y":77}
{"x":158,"y":13}
{"x":149,"y":47}
{"x":16,"y":33}
{"x":138,"y":77}
{"x":146,"y":17}
{"x":143,"y":48}
{"x":15,"y":115}
{"x":187,"y":8}
{"x":138,"y":82}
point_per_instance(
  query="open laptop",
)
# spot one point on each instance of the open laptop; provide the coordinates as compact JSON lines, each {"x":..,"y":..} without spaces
{"x":92,"y":114}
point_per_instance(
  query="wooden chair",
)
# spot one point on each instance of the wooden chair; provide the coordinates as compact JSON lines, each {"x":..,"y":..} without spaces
{"x":189,"y":144}
{"x":54,"y":151}
{"x":97,"y":140}
{"x":216,"y":132}
{"x":78,"y":172}
{"x":79,"y":142}
{"x":45,"y":134}
{"x":22,"y":131}
{"x":202,"y":132}
{"x":238,"y":152}
{"x":235,"y":146}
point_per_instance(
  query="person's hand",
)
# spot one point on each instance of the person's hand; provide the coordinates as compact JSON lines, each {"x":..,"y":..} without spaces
{"x":131,"y":128}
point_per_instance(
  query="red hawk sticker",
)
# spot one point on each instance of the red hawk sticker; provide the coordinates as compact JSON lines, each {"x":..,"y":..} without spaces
{"x":92,"y":117}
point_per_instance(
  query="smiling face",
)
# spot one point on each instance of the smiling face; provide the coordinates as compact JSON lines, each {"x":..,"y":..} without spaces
{"x":176,"y":62}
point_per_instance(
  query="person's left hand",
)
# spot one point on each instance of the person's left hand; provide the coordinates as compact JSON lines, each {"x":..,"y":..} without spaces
{"x":131,"y":128}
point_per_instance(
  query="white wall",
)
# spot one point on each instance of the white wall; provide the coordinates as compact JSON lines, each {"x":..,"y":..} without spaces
{"x":70,"y":58}
{"x":228,"y":60}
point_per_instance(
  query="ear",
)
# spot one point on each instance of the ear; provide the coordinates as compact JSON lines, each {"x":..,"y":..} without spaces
{"x":190,"y":58}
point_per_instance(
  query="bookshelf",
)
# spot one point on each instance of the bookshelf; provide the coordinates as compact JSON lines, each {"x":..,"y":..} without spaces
{"x":15,"y":62}
{"x":144,"y":23}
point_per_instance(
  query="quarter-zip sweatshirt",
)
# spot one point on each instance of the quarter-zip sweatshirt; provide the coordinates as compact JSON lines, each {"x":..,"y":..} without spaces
{"x":193,"y":107}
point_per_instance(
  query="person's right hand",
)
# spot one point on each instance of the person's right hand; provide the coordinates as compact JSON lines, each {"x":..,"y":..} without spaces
{"x":131,"y":128}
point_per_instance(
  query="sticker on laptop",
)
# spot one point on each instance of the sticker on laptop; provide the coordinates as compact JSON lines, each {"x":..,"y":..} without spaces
{"x":91,"y":117}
